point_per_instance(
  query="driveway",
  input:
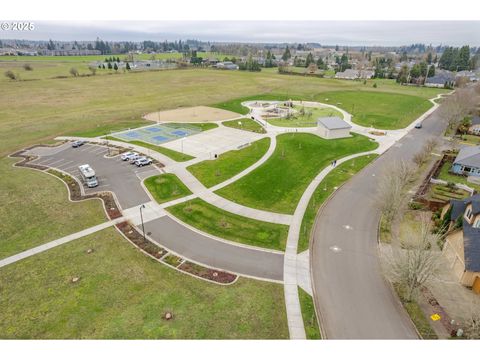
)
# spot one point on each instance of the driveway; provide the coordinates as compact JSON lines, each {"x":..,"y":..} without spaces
{"x":218,"y":254}
{"x":113,"y":174}
{"x":351,"y":296}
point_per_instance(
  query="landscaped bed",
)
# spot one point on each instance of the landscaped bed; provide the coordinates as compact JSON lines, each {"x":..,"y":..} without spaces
{"x":122,"y":294}
{"x":305,"y":116}
{"x":278,"y":184}
{"x":166,"y":187}
{"x":226,"y":225}
{"x":229,"y":164}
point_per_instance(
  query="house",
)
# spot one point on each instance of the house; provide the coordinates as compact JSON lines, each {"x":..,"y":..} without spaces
{"x":442,"y":78}
{"x":366,"y":74}
{"x":470,"y":75}
{"x":227,"y":65}
{"x":333,"y":127}
{"x":462,"y":245}
{"x":474,"y":128}
{"x":348,"y":74}
{"x":467,"y":161}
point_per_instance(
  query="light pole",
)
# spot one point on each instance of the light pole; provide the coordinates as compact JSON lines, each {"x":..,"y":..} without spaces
{"x":141,"y":218}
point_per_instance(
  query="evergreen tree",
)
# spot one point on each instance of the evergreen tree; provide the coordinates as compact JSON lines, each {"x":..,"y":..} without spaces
{"x":429,"y":58}
{"x":309,"y":60}
{"x":286,"y":54}
{"x":127,"y":66}
{"x":109,"y":65}
{"x":118,"y":59}
{"x":115,"y":66}
{"x":431,"y":71}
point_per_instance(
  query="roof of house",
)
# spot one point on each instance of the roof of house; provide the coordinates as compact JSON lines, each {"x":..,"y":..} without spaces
{"x":476,"y":120}
{"x":468,"y":156}
{"x":333,"y":123}
{"x":441,"y":78}
{"x":471,"y":235}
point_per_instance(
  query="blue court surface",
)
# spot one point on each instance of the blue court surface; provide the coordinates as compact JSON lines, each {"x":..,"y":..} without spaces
{"x":159,"y":134}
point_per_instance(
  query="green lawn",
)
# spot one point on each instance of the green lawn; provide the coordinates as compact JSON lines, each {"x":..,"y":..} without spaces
{"x":457,"y":179}
{"x":229,"y":164}
{"x":172,"y":154}
{"x":36,"y":209}
{"x":218,"y":222}
{"x":246,"y":124}
{"x":108,"y":128}
{"x":123,"y":294}
{"x":278,"y":184}
{"x":335,"y":178}
{"x":166,"y":187}
{"x":305,"y":116}
{"x":308,"y":314}
{"x":380,"y":110}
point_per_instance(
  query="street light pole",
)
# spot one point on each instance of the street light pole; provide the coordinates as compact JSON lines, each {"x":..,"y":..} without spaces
{"x":141,"y":218}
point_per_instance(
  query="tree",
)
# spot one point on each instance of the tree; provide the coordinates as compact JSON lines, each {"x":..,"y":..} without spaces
{"x":286,"y":54}
{"x":115,"y":66}
{"x":74,"y":72}
{"x":431,"y":71}
{"x":118,"y":59}
{"x":11,"y":75}
{"x":93,"y":70}
{"x":413,"y":264}
{"x":109,"y":65}
{"x":27,"y":67}
{"x":127,"y":66}
{"x":402,"y":76}
{"x":429,"y":58}
{"x":309,"y":60}
{"x":321,"y":64}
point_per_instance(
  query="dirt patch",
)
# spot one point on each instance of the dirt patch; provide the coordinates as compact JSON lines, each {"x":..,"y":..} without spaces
{"x":221,"y":277}
{"x":137,"y":239}
{"x":191,"y":114}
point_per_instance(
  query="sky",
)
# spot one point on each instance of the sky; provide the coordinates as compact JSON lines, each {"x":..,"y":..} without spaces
{"x":369,"y":33}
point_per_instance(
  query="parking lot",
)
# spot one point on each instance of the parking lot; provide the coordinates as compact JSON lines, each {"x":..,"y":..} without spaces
{"x":113,"y":174}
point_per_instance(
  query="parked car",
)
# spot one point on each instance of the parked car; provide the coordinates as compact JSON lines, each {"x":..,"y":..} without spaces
{"x":126,"y":156}
{"x":143,"y":161}
{"x":418,"y":125}
{"x":134,"y":158}
{"x":78,"y":143}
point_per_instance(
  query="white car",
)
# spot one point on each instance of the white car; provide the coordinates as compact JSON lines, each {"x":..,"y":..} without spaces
{"x":143,"y":161}
{"x":134,"y":158}
{"x":126,"y":156}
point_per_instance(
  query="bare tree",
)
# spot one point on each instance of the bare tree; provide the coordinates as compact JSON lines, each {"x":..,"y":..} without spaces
{"x":458,"y":105}
{"x":27,"y":67}
{"x":413,"y":263}
{"x":423,"y":155}
{"x":391,"y":199}
{"x":11,"y":75}
{"x":93,"y":70}
{"x":74,"y":72}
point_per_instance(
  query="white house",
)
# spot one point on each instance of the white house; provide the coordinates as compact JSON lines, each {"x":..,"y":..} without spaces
{"x":333,"y":127}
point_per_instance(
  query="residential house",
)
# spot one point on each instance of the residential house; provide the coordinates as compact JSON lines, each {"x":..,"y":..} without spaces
{"x":474,"y":128}
{"x":348,"y":74}
{"x":227,"y":65}
{"x":467,"y":161}
{"x":442,"y":78}
{"x":333,"y":127}
{"x":470,"y":75}
{"x":462,"y":243}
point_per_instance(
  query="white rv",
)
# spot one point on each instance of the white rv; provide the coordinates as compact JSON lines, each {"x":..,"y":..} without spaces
{"x":88,"y":175}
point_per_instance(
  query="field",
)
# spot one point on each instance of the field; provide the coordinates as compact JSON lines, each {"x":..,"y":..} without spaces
{"x":35,"y":209}
{"x":305,"y":116}
{"x":309,"y":317}
{"x":278,"y":184}
{"x":166,"y":187}
{"x":229,"y":164}
{"x":335,"y":178}
{"x":35,"y":111}
{"x":245,"y":124}
{"x":122,"y":294}
{"x":218,"y":222}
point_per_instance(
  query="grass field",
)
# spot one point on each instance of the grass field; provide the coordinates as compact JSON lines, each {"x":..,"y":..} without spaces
{"x":308,"y":314}
{"x":122,"y":294}
{"x":305,"y":116}
{"x":335,"y":178}
{"x":278,"y":184}
{"x":35,"y":209}
{"x":226,"y":225}
{"x":246,"y":124}
{"x":31,"y":111}
{"x":166,"y":187}
{"x":172,"y":154}
{"x":229,"y":164}
{"x":108,"y":128}
{"x":379,"y":110}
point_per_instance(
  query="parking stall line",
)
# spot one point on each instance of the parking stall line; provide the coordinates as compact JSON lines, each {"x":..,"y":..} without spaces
{"x":42,"y":162}
{"x":61,"y":165}
{"x":54,"y":162}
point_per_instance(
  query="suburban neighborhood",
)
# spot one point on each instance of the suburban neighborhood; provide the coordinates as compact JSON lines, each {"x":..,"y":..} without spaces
{"x":265,"y":180}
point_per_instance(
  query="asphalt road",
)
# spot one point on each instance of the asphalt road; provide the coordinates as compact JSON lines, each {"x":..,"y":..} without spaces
{"x":197,"y":247}
{"x":113,"y":174}
{"x":351,"y":296}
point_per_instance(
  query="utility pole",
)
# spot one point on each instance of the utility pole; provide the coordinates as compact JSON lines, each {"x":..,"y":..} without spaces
{"x":141,"y":218}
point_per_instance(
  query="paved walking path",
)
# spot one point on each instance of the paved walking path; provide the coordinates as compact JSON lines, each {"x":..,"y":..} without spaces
{"x":58,"y":242}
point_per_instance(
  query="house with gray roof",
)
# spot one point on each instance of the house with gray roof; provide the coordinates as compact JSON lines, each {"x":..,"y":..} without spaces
{"x":462,"y":245}
{"x":441,"y":79}
{"x":467,"y":161}
{"x":474,"y":127}
{"x":333,"y":127}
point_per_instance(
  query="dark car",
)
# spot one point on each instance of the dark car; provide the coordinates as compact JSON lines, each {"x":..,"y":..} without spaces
{"x":78,"y":143}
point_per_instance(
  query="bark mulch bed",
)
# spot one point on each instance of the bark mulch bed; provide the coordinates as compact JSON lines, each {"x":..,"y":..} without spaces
{"x":445,"y":319}
{"x":221,"y":277}
{"x":135,"y":237}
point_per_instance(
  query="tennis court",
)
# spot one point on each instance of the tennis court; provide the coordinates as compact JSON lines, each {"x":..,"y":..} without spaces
{"x":158,"y":134}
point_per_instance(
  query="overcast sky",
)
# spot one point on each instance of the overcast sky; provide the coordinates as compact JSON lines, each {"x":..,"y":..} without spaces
{"x":324,"y":32}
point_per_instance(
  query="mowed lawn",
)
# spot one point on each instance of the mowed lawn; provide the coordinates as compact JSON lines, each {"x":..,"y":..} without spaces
{"x":378,"y":110}
{"x":337,"y":177}
{"x":30,"y":111}
{"x":35,"y":209}
{"x":123,"y":294}
{"x":166,"y":187}
{"x":278,"y":184}
{"x":245,"y":124}
{"x":229,"y":164}
{"x":305,"y":116}
{"x":229,"y":226}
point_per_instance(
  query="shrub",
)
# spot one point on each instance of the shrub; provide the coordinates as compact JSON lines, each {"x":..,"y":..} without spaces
{"x":74,"y":72}
{"x":10,"y":74}
{"x":28,"y":67}
{"x":375,"y":85}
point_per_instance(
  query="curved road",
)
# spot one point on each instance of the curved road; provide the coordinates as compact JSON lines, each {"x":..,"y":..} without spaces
{"x":352,"y":299}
